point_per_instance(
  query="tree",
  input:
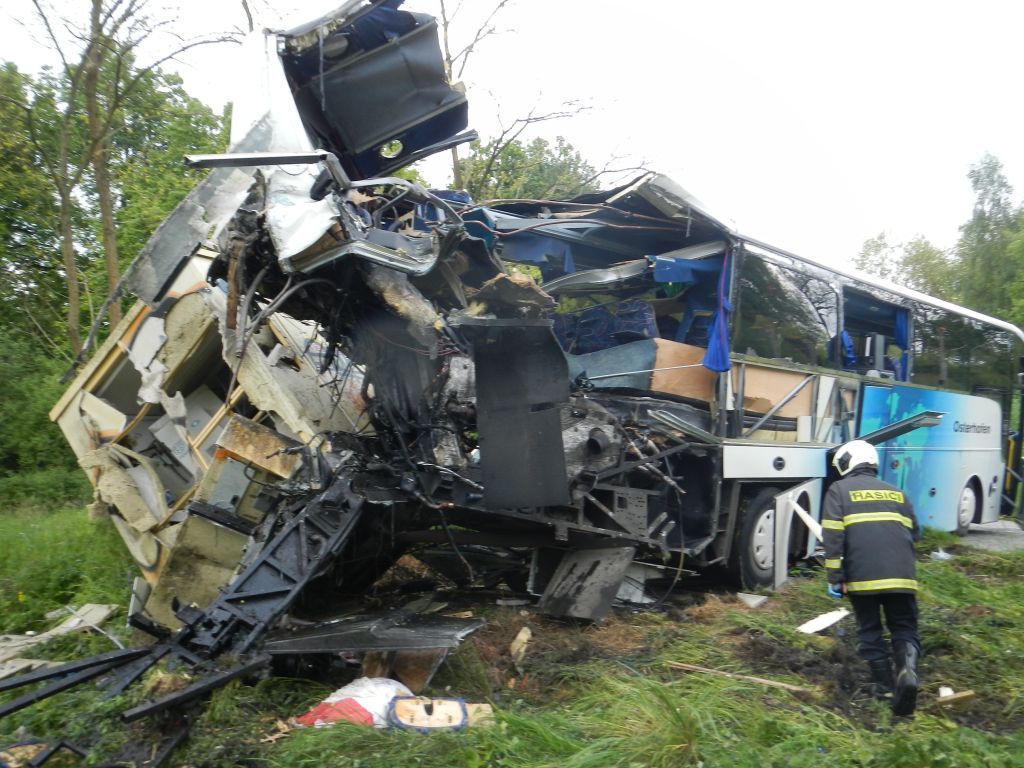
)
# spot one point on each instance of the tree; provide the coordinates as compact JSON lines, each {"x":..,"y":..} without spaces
{"x":536,"y":170}
{"x":31,"y":286}
{"x":455,"y":62}
{"x":915,"y":264}
{"x":877,"y":257}
{"x":987,"y":266}
{"x":929,"y":269}
{"x":74,"y":112}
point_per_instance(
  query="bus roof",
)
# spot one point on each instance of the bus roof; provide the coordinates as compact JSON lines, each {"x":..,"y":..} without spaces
{"x":898,"y":290}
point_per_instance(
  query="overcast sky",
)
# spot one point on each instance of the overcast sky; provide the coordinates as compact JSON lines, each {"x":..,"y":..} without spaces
{"x":811,"y":125}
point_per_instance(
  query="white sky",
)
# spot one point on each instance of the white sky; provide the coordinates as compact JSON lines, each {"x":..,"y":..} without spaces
{"x":811,"y":125}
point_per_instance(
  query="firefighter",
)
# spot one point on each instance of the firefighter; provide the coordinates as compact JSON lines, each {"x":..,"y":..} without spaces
{"x":870,"y":530}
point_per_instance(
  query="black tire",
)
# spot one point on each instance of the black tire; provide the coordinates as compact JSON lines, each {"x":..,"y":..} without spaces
{"x":967,"y":507}
{"x":753,"y":559}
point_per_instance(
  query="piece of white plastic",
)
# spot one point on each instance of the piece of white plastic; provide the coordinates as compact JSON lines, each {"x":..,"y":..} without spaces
{"x":824,"y":621}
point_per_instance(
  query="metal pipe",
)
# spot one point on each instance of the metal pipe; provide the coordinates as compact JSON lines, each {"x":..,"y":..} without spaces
{"x":775,"y":408}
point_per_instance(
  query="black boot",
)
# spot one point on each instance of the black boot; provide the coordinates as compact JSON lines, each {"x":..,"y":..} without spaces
{"x":904,"y":698}
{"x":881,"y":677}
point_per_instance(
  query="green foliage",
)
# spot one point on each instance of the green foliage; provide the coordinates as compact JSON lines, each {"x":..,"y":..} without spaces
{"x":987,"y":271}
{"x":52,"y":559}
{"x":31,"y":291}
{"x":160,"y":124}
{"x":29,"y":441}
{"x":152,"y":128}
{"x":536,"y":170}
{"x":916,"y":264}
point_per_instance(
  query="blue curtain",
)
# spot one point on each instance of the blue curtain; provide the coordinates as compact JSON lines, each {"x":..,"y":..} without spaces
{"x":717,"y":356}
{"x":903,"y":340}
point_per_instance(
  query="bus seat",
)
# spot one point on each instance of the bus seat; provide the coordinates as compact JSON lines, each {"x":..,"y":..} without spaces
{"x":695,"y":327}
{"x":597,"y":328}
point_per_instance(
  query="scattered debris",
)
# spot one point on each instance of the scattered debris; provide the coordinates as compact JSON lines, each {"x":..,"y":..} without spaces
{"x":517,"y":649}
{"x":366,"y":700}
{"x":824,"y":621}
{"x":748,"y":678}
{"x":751,"y":601}
{"x":32,"y":754}
{"x":408,"y":643}
{"x":89,"y":616}
{"x":941,"y":554}
{"x":948,"y":697}
{"x":281,"y":729}
{"x":19,"y":666}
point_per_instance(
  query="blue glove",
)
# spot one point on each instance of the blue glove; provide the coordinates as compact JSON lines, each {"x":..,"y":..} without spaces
{"x":833,"y":591}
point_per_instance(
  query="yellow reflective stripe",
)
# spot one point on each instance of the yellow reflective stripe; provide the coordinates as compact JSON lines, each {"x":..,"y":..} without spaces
{"x":863,"y":586}
{"x":833,"y":525}
{"x":877,"y":517}
{"x":837,"y":563}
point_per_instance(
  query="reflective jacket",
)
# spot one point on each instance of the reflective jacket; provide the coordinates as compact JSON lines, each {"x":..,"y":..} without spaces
{"x":869,"y":529}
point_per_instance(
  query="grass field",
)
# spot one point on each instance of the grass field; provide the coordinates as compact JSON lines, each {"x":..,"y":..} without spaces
{"x":585,"y":695}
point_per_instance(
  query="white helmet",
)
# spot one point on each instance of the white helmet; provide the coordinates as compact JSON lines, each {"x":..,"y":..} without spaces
{"x":854,"y":454}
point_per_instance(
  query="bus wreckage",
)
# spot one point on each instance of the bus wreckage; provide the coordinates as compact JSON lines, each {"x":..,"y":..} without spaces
{"x":330,"y":366}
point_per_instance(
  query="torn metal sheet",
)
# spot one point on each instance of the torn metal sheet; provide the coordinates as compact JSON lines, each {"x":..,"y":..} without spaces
{"x":394,"y":631}
{"x":586,"y":582}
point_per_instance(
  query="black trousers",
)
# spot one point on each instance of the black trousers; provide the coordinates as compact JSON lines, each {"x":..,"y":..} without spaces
{"x":900,"y":617}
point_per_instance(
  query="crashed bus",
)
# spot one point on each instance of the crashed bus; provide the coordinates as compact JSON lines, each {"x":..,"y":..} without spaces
{"x":330,"y":366}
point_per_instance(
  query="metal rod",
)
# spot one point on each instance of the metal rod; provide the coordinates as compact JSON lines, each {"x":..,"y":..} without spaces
{"x":195,"y":690}
{"x":72,"y":666}
{"x":775,"y":408}
{"x":55,"y":687}
{"x":645,"y":370}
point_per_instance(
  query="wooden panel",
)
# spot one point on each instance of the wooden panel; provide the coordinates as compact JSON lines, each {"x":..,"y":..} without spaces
{"x":696,"y":382}
{"x":764,"y":387}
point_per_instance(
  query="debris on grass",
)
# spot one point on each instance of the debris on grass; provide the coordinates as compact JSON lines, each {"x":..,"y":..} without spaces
{"x":517,"y":650}
{"x":87,"y":617}
{"x":751,"y":601}
{"x":747,"y":678}
{"x":824,"y":621}
{"x":948,"y":697}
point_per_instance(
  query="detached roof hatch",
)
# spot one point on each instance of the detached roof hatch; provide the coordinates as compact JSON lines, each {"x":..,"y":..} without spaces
{"x":369,"y":82}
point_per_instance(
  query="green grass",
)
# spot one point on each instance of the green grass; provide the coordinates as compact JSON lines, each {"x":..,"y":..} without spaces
{"x":597,"y":699}
{"x":54,"y":558}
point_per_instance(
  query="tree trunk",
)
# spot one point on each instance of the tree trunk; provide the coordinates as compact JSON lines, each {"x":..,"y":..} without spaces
{"x":92,"y":64}
{"x":457,"y":180}
{"x":67,"y":252}
{"x":101,"y":175}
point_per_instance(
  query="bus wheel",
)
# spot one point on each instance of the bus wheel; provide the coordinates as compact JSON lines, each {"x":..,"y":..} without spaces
{"x":754,"y":553}
{"x":967,"y":507}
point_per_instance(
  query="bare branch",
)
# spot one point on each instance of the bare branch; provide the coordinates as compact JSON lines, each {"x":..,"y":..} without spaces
{"x":54,"y":346}
{"x":248,"y":14}
{"x":49,"y":31}
{"x":483,"y":31}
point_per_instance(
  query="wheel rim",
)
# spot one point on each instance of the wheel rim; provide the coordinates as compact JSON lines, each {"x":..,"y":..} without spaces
{"x":762,"y":542}
{"x":965,"y":510}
